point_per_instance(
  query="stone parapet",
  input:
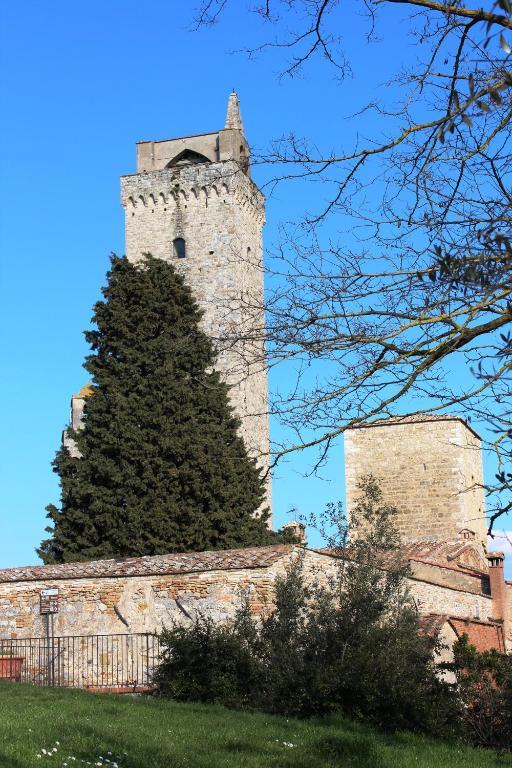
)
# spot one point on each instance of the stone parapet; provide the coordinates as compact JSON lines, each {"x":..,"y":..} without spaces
{"x":192,"y":183}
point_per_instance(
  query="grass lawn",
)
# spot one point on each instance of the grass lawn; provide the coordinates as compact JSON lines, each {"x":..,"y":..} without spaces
{"x":163,"y":734}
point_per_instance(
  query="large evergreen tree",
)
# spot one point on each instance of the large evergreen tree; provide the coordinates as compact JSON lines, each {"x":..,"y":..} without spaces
{"x":162,"y":467}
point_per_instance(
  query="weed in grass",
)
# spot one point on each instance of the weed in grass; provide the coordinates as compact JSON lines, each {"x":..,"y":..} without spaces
{"x":53,"y":758}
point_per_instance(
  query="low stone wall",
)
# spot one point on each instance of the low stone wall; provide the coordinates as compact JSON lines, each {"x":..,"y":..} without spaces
{"x":116,"y":604}
{"x":141,"y":604}
{"x":145,"y":594}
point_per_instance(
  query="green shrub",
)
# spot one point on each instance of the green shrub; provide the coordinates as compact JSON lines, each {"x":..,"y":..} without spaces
{"x":484,"y":690}
{"x":207,"y":663}
{"x":305,"y":659}
{"x":351,"y":644}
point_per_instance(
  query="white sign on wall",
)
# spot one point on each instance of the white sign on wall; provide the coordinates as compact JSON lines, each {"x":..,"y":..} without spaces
{"x":49,"y":601}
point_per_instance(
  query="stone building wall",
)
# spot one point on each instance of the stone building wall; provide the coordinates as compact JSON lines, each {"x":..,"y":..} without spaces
{"x":429,"y":467}
{"x":471,"y":479}
{"x":471,"y":583}
{"x":144,"y":594}
{"x":441,"y":598}
{"x":139,"y":594}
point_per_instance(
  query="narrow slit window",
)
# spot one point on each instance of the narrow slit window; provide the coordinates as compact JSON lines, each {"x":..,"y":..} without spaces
{"x":179,"y":248}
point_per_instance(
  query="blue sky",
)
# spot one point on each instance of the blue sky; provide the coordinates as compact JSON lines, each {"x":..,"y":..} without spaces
{"x":81,"y":83}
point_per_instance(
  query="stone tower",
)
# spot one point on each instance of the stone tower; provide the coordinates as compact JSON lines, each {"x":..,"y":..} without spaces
{"x":430,"y":467}
{"x":192,"y":202}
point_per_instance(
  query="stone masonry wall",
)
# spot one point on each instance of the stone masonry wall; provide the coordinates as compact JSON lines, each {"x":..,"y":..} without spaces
{"x":436,"y":598}
{"x":90,"y":606}
{"x":430,"y":470}
{"x":219,"y":213}
{"x":87,"y":606}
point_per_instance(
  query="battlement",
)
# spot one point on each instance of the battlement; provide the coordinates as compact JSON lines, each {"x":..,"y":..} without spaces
{"x":194,"y":185}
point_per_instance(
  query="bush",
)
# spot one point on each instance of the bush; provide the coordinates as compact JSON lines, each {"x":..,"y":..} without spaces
{"x":351,"y":644}
{"x":484,"y":688}
{"x":306,"y":659}
{"x":207,"y":663}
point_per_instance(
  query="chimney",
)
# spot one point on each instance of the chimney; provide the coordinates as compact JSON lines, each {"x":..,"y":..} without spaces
{"x":498,"y":589}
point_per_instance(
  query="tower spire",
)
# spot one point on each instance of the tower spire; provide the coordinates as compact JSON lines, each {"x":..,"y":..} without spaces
{"x":233,"y":117}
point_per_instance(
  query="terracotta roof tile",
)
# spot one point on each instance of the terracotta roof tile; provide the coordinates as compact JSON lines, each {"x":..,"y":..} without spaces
{"x":457,"y":554}
{"x":188,"y":562}
{"x":463,"y":554}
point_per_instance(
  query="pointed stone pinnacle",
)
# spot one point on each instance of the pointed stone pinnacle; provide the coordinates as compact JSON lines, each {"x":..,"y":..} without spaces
{"x":233,"y":117}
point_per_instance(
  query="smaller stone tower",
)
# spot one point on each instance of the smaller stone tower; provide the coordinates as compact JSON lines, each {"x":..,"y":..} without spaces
{"x":430,"y":467}
{"x":76,"y":416}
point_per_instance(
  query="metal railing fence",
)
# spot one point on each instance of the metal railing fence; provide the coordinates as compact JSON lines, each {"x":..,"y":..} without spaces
{"x":81,"y":661}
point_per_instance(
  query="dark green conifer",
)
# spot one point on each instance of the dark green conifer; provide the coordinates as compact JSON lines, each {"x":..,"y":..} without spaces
{"x":162,"y":467}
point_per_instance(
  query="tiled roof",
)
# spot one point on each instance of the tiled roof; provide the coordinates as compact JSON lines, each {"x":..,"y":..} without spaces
{"x":188,"y":562}
{"x":413,"y":418}
{"x":463,"y":554}
{"x":86,"y":391}
{"x":450,"y":554}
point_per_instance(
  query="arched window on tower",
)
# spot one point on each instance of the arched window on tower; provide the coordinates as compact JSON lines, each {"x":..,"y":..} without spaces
{"x":244,"y":160}
{"x":179,"y":248}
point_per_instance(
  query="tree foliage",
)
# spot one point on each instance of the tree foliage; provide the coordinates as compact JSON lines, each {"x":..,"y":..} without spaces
{"x":162,"y":467}
{"x":484,"y":689}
